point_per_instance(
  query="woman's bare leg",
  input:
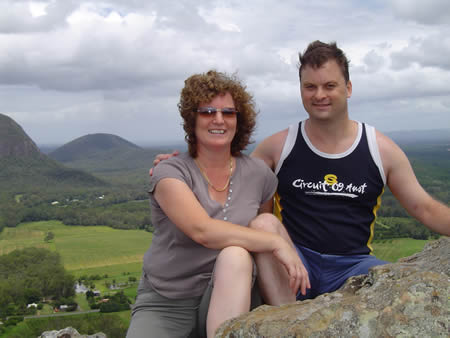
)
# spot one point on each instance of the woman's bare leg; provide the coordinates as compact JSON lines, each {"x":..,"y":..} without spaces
{"x":232,"y":287}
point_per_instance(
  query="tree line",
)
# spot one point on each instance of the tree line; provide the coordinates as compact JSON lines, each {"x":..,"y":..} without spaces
{"x":114,"y":208}
{"x":29,"y":276}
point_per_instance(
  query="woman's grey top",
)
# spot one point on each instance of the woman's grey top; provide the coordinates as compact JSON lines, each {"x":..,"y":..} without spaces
{"x":175,"y":265}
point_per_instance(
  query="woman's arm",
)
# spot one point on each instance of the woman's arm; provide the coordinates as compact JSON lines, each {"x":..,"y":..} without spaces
{"x":185,"y":211}
{"x":182,"y":207}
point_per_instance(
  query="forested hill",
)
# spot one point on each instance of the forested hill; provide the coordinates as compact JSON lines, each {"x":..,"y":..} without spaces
{"x":92,"y":146}
{"x":109,"y":157}
{"x":23,"y":167}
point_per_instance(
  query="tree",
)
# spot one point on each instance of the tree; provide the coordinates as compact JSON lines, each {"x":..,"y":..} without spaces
{"x":32,"y":295}
{"x":49,"y":236}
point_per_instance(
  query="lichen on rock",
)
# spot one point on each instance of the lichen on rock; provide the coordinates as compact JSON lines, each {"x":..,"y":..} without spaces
{"x":69,"y":332}
{"x":409,"y":298}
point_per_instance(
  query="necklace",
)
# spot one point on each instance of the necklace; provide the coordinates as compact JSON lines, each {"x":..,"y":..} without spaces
{"x":209,"y":182}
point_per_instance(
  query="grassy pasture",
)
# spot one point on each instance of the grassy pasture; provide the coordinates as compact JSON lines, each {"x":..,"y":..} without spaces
{"x":103,"y":250}
{"x":392,"y":249}
{"x":95,"y":249}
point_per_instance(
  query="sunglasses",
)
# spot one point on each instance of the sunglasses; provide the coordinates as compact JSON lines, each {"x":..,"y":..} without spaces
{"x":210,"y":111}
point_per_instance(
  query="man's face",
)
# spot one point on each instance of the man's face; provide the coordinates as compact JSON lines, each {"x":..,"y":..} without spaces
{"x":324,"y":91}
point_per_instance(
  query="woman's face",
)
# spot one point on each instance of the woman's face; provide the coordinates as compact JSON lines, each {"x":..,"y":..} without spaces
{"x":216,"y":128}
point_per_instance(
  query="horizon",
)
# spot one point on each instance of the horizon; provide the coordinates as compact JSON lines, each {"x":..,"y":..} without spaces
{"x":168,"y":144}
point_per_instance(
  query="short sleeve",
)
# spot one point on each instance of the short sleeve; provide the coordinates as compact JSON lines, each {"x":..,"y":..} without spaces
{"x":174,"y":167}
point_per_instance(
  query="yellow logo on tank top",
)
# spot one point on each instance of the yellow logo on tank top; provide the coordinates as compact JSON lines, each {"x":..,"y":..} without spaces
{"x":330,"y":179}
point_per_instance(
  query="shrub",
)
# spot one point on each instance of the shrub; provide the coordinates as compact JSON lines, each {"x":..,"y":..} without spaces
{"x":13,"y":320}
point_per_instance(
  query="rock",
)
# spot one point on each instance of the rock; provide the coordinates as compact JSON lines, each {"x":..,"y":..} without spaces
{"x":69,"y":332}
{"x":405,"y":299}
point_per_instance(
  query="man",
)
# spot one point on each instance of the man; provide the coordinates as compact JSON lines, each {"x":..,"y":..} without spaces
{"x":332,"y":172}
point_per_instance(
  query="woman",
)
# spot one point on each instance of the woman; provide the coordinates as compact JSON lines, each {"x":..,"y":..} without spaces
{"x":199,"y":270}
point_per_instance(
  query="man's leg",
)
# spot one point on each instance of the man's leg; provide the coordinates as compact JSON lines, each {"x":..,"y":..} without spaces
{"x":312,"y":262}
{"x":273,"y":278}
{"x":232,"y":284}
{"x":337,"y":269}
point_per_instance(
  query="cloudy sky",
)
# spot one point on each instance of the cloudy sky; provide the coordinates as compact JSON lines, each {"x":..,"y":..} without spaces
{"x":71,"y":68}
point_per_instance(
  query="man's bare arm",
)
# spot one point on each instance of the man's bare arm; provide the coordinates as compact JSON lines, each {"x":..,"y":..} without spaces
{"x":406,"y":188}
{"x":269,"y":150}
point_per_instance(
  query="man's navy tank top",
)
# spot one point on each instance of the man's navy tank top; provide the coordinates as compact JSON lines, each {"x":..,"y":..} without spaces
{"x":328,"y":202}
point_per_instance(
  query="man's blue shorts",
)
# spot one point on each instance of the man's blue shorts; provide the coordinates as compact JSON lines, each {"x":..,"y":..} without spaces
{"x":328,"y":273}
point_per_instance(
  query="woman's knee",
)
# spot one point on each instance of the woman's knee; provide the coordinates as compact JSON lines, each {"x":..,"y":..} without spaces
{"x":234,"y":259}
{"x":266,"y":222}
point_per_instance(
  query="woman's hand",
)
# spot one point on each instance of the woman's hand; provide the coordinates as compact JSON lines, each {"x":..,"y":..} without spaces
{"x":298,"y":275}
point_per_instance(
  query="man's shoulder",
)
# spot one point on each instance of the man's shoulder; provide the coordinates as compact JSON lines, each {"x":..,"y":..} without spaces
{"x":269,"y":150}
{"x":275,"y":139}
{"x":389,"y":151}
{"x":385,"y":143}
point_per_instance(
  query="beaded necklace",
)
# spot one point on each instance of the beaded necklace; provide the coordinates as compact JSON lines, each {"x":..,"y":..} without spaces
{"x":209,"y":182}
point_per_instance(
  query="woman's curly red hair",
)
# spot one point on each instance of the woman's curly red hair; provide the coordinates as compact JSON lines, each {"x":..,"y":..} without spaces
{"x":202,"y":88}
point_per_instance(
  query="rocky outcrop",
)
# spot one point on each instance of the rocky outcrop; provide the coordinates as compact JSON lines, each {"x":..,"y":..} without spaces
{"x":69,"y":332}
{"x":405,"y":299}
{"x":14,"y":141}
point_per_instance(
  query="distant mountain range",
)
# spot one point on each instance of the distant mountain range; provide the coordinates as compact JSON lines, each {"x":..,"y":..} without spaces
{"x":24,"y":167}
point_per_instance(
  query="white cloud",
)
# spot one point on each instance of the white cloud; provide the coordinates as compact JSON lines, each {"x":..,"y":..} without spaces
{"x":220,"y":16}
{"x":431,"y":51}
{"x":37,"y":8}
{"x":68,"y":68}
{"x":430,"y":12}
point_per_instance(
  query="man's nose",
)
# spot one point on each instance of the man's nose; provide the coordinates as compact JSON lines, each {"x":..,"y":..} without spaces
{"x":320,"y":93}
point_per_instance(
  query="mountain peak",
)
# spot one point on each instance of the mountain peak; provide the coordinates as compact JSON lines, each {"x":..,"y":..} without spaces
{"x":14,"y":141}
{"x":92,"y":146}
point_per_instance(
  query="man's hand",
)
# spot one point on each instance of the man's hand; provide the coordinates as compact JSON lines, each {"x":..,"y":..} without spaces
{"x":162,"y":157}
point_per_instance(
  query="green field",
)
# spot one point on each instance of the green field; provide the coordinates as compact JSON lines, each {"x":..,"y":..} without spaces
{"x":115,"y":255}
{"x":96,"y":249}
{"x":392,"y":249}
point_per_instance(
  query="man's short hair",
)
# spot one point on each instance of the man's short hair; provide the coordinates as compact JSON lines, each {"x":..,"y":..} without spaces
{"x":318,"y":53}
